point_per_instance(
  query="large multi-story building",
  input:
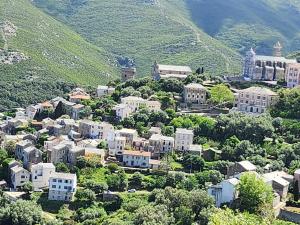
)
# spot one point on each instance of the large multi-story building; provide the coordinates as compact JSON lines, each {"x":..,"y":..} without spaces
{"x":159,"y":144}
{"x":95,"y":130}
{"x":40,"y":174}
{"x":256,"y":99}
{"x":194,"y":94}
{"x":261,"y":67}
{"x":183,"y":139}
{"x":62,"y":186}
{"x":160,"y":71}
{"x":292,"y":75}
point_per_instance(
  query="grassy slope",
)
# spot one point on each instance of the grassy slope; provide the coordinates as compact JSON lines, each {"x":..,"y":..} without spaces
{"x":144,"y":32}
{"x":57,"y":54}
{"x":245,"y":23}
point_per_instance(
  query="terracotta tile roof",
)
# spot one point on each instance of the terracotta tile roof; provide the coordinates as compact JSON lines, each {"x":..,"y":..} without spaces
{"x":137,"y":153}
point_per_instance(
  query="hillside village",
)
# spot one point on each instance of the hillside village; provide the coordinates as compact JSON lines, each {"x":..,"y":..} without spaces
{"x":177,"y":130}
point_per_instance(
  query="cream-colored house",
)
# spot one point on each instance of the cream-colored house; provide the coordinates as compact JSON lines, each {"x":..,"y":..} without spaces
{"x":183,"y":139}
{"x":194,"y":94}
{"x":256,"y":99}
{"x":160,"y":71}
{"x":292,"y":75}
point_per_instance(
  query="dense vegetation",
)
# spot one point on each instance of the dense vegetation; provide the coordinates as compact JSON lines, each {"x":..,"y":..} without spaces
{"x":56,"y":55}
{"x":242,"y":24}
{"x":145,"y":31}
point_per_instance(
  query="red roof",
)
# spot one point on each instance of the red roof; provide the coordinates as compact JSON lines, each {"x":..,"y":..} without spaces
{"x":137,"y":153}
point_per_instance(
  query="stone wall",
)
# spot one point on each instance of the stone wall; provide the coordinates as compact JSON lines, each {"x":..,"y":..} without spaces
{"x":289,"y":216}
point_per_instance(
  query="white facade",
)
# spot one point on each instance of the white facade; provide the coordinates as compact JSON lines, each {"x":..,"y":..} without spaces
{"x":256,"y":100}
{"x":133,"y":102}
{"x":62,"y":186}
{"x":161,"y":144}
{"x":19,"y":176}
{"x":292,"y":75}
{"x":160,"y":71}
{"x":40,"y":174}
{"x":136,"y":159}
{"x":95,"y":130}
{"x":122,"y":111}
{"x":194,"y":94}
{"x":225,"y":192}
{"x":104,"y":90}
{"x":183,"y":139}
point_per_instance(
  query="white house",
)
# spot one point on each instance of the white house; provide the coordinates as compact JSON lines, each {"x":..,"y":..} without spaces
{"x":136,"y":159}
{"x":160,"y":71}
{"x":19,"y":176}
{"x":95,"y":130}
{"x":62,"y":186}
{"x":183,"y":139}
{"x":40,"y":174}
{"x":159,"y":144}
{"x":104,"y":90}
{"x":122,"y":111}
{"x":225,"y":192}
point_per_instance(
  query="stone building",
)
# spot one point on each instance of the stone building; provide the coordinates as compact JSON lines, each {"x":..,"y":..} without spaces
{"x":160,"y":71}
{"x":292,"y":75}
{"x":194,"y":94}
{"x":128,"y":73}
{"x":261,"y":67}
{"x":256,"y":99}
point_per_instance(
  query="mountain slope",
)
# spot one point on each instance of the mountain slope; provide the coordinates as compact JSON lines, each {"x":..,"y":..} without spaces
{"x":244,"y":23}
{"x":56,"y":56}
{"x":145,"y":31}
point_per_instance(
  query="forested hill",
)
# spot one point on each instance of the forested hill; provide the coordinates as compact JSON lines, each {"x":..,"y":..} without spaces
{"x":55,"y":56}
{"x":249,"y":23}
{"x":145,"y":31}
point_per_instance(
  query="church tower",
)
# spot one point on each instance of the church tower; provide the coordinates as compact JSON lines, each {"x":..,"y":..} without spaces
{"x":249,"y":64}
{"x":277,"y":49}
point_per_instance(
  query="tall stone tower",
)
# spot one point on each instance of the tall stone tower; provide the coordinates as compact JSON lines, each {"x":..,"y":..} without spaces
{"x":277,"y":49}
{"x":249,"y":64}
{"x":128,"y":73}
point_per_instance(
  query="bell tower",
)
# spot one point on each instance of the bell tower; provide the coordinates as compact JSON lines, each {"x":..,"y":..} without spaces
{"x":277,"y":49}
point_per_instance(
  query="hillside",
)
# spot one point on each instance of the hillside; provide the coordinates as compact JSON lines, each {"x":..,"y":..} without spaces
{"x":244,"y":23}
{"x":144,"y":31}
{"x":56,"y":56}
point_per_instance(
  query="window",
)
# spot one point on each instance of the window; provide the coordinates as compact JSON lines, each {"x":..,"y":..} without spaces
{"x":53,"y":186}
{"x":59,"y":181}
{"x":66,"y":181}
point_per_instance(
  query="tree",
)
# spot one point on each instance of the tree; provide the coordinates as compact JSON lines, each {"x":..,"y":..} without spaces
{"x":136,"y":180}
{"x":85,"y":195}
{"x":92,"y":213}
{"x":27,"y":187}
{"x":97,"y":187}
{"x":255,"y":195}
{"x":183,"y":216}
{"x":59,"y":110}
{"x":221,"y":94}
{"x":61,"y":167}
{"x":3,"y":155}
{"x":113,"y":167}
{"x":153,"y":214}
{"x":200,"y":201}
{"x":193,"y":162}
{"x":22,"y":212}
